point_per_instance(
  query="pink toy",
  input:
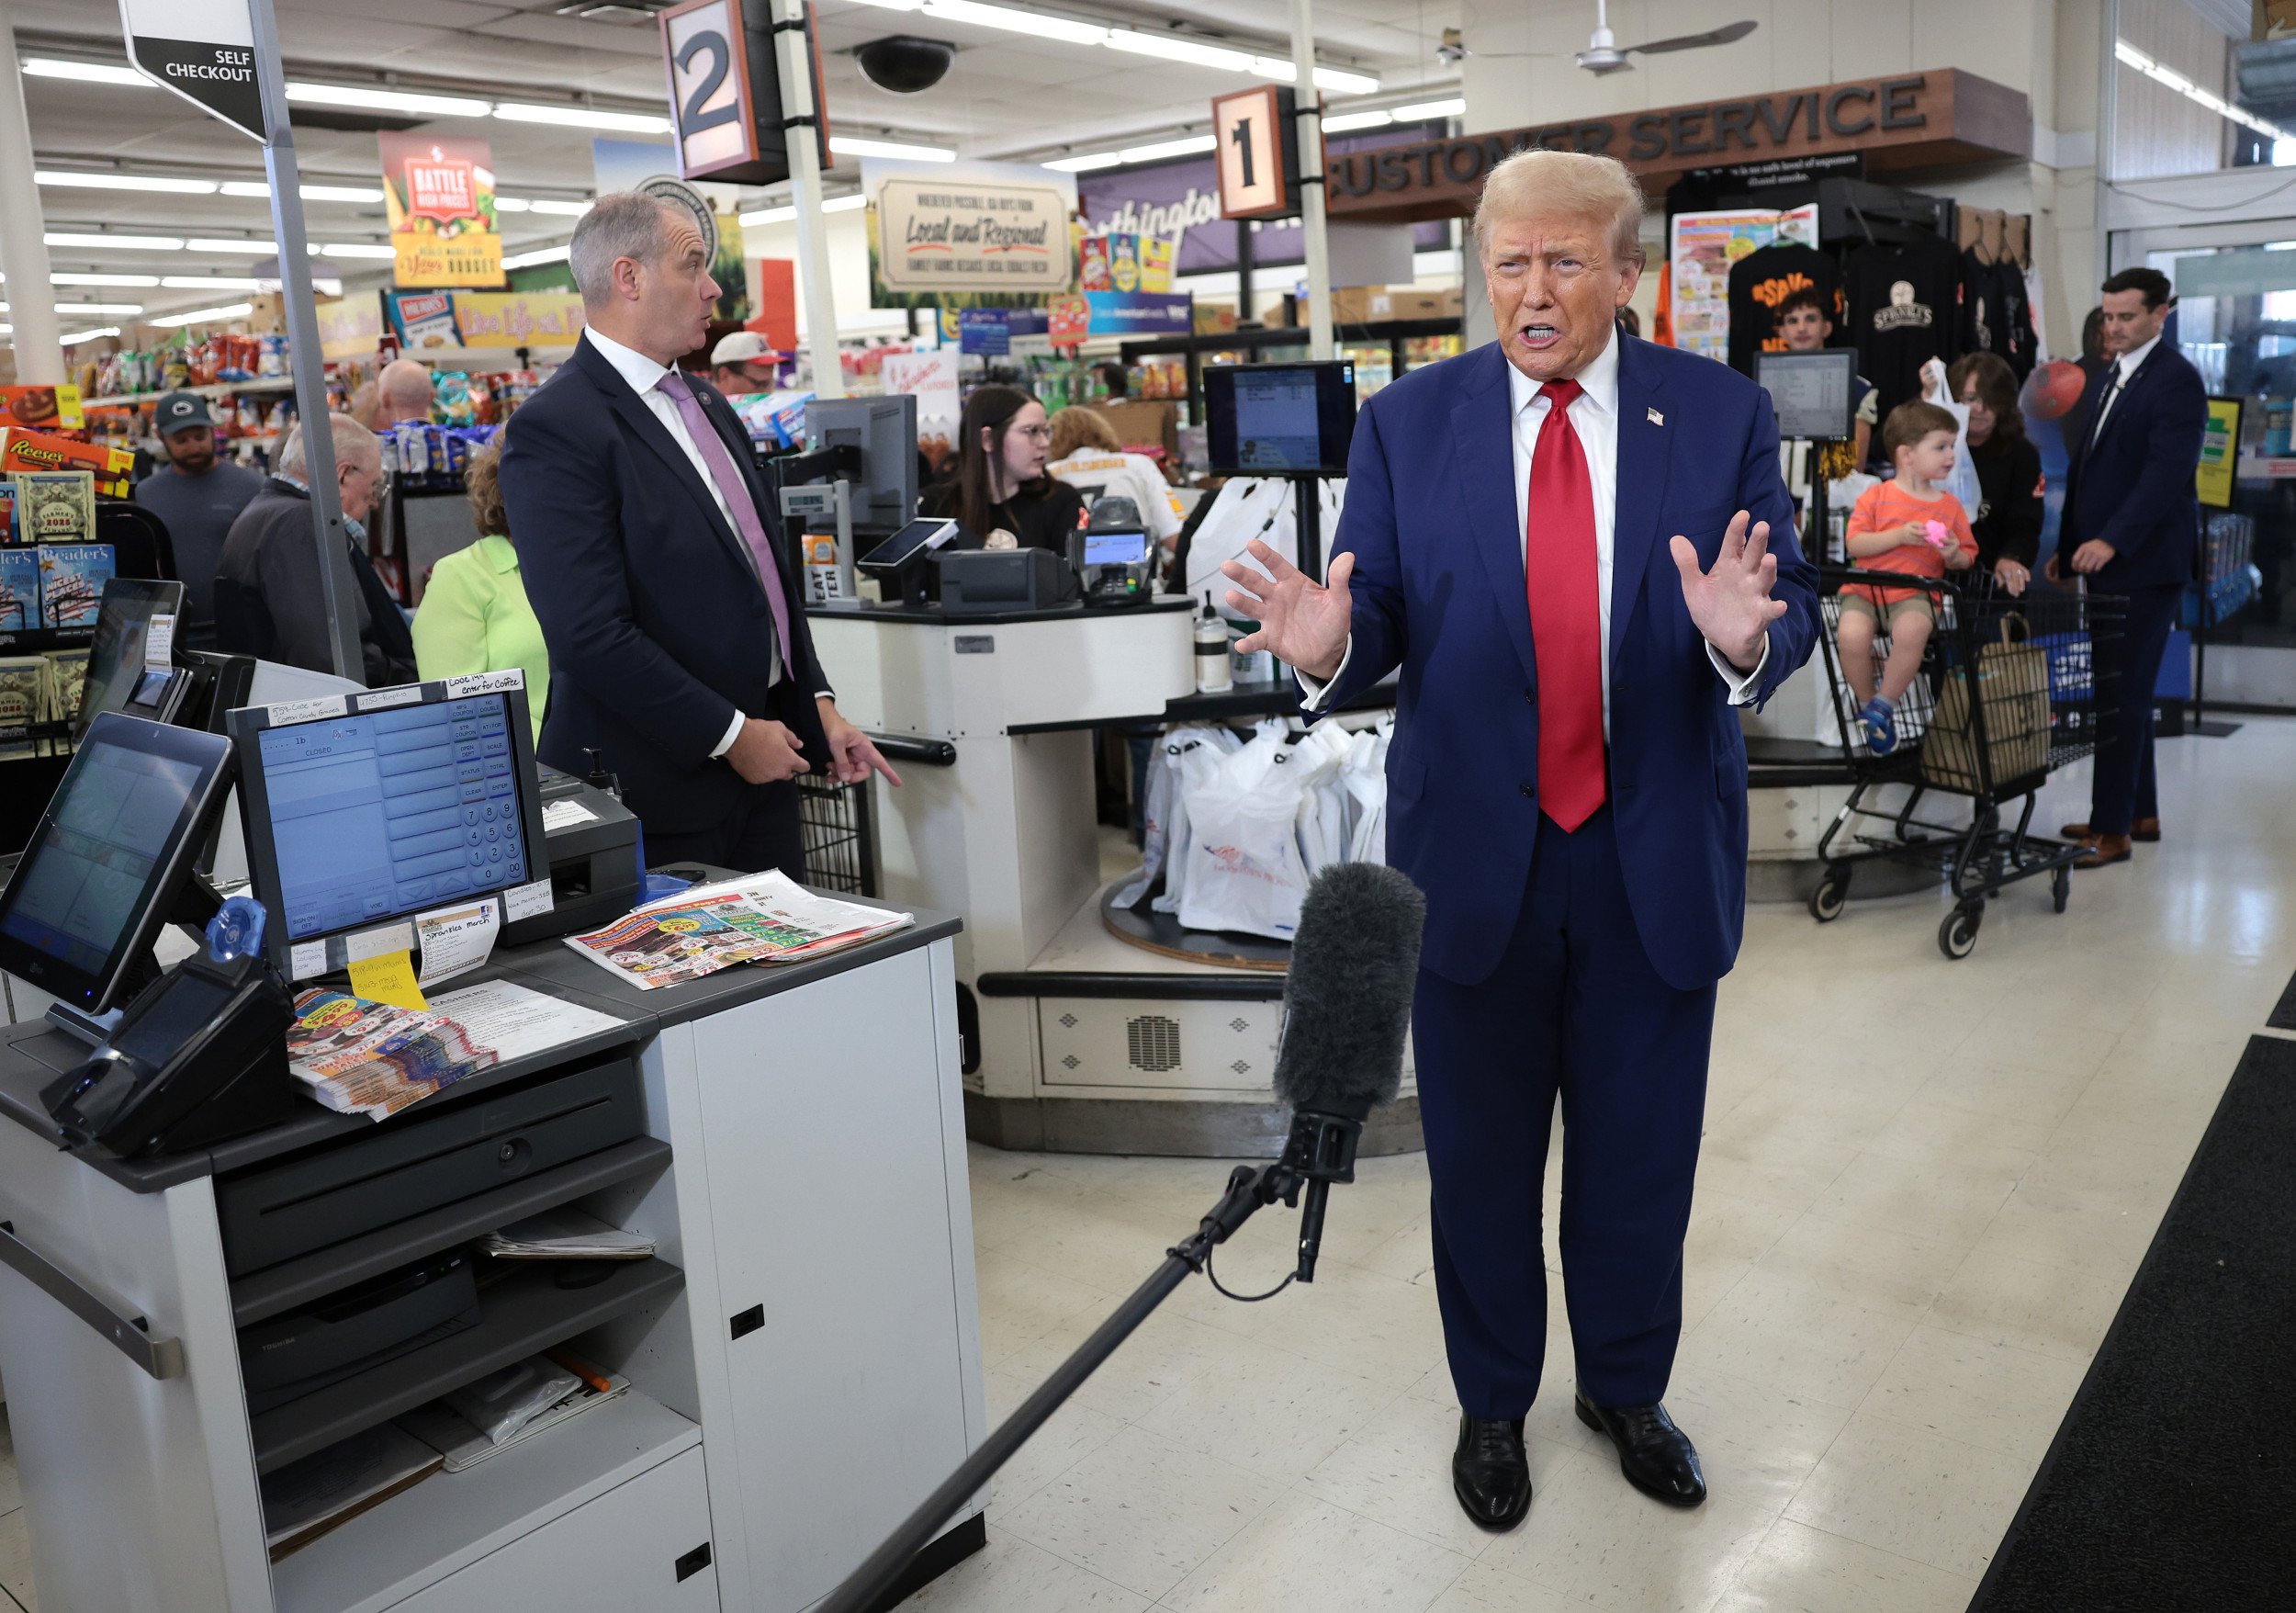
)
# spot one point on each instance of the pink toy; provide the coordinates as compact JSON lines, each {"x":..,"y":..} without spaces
{"x":1940,"y":537}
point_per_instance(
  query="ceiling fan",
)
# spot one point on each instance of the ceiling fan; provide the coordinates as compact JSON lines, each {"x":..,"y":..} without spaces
{"x":1603,"y":53}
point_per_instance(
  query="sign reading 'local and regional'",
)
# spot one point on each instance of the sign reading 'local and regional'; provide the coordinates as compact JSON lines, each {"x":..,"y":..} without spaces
{"x":957,"y":235}
{"x":203,"y":49}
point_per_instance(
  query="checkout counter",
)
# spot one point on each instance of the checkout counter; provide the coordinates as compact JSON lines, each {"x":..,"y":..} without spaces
{"x":802,"y":1348}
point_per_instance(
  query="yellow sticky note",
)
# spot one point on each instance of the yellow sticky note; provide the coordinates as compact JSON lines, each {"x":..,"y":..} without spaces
{"x":387,"y":978}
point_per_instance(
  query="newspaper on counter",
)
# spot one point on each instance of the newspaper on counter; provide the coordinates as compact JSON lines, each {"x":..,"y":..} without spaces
{"x":362,"y":1057}
{"x":767,"y":918}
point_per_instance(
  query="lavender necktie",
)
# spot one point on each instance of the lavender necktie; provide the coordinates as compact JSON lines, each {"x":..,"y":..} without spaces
{"x":736,"y":492}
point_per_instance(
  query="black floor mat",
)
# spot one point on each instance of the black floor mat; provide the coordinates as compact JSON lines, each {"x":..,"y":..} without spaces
{"x":2169,"y":1485}
{"x":2284,"y":1012}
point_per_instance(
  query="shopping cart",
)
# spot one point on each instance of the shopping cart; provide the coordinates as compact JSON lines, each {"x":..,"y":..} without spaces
{"x":2006,"y":695}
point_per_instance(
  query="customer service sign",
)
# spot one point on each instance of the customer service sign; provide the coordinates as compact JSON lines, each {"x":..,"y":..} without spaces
{"x":936,"y":234}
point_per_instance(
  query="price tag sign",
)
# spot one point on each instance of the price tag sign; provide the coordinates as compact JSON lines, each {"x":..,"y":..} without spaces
{"x":1258,"y":153}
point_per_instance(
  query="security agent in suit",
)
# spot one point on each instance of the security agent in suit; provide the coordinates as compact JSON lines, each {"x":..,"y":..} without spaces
{"x":1567,"y":783}
{"x":2131,"y":526}
{"x":678,"y":642}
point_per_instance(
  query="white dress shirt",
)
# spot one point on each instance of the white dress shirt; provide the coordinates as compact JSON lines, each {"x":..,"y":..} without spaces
{"x":1594,"y":420}
{"x":645,"y":378}
{"x":2123,"y":368}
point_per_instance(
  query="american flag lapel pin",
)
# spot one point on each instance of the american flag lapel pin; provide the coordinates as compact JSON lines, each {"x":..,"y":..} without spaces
{"x":1656,"y":418}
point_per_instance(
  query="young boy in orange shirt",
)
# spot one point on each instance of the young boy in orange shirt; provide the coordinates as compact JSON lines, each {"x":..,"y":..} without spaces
{"x":1913,"y":527}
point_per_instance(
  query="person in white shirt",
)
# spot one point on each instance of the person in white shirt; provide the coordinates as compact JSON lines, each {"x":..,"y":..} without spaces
{"x":1088,"y":456}
{"x":679,"y":656}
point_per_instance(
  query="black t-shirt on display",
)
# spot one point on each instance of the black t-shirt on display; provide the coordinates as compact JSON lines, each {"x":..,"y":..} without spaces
{"x":1905,"y":309}
{"x":1997,"y":314}
{"x":1762,"y":280}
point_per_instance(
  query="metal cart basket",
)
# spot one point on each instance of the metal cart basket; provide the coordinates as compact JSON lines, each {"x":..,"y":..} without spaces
{"x":2007,"y":693}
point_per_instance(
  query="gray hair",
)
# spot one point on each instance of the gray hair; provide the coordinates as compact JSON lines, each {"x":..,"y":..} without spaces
{"x":1577,"y":184}
{"x":628,"y":223}
{"x":353,"y":441}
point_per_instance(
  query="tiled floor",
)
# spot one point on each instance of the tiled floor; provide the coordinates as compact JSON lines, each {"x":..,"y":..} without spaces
{"x":1925,"y":1185}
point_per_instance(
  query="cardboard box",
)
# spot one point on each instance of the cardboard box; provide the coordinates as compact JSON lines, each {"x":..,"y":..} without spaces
{"x":22,"y":450}
{"x":1215,"y":319}
{"x":1367,"y":305}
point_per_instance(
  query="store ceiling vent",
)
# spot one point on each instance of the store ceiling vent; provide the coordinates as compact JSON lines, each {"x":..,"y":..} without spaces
{"x":1154,"y":1043}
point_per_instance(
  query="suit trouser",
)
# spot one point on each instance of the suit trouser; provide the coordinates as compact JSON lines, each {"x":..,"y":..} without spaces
{"x":765,"y":830}
{"x":1574,"y":1007}
{"x":2125,"y":785}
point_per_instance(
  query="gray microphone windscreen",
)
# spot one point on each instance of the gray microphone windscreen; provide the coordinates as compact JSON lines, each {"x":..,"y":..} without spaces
{"x":1355,"y":961}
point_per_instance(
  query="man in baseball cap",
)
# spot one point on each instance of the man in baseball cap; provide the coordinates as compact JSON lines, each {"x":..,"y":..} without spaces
{"x":744,"y":361}
{"x":198,"y":497}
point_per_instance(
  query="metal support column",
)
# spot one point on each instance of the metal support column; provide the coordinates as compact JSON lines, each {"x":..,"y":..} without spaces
{"x":1312,"y":223}
{"x":338,"y":588}
{"x":792,"y":40}
{"x":38,"y":338}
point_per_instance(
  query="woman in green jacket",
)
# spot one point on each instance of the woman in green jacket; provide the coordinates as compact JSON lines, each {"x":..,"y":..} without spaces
{"x":474,"y":616}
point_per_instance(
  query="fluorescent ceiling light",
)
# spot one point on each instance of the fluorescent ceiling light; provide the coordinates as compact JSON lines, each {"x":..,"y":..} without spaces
{"x":1285,"y":71}
{"x":1188,"y":147}
{"x":1085,"y":163}
{"x":845,"y":146}
{"x":511,"y":204}
{"x":382,"y":100}
{"x":844,"y":204}
{"x":767,"y":215}
{"x":341,"y":193}
{"x":572,"y":116}
{"x":117,"y":243}
{"x":79,"y":336}
{"x":85,"y":71}
{"x":1340,"y":123}
{"x":526,"y":260}
{"x":215,"y":283}
{"x":570,"y":209}
{"x":1015,"y":21}
{"x":105,"y":279}
{"x":87,"y":308}
{"x":66,"y":178}
{"x":1171,"y":48}
{"x":2169,"y":78}
{"x":1421,"y":112}
{"x":231,"y":311}
{"x":359,"y":249}
{"x":218,"y":243}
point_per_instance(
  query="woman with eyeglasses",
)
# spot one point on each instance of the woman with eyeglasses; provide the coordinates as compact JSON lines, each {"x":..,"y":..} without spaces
{"x":1003,"y":440}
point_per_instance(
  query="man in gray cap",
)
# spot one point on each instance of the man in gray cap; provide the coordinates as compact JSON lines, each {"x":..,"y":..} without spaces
{"x":199,"y":496}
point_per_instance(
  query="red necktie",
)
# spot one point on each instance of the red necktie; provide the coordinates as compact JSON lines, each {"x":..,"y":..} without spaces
{"x":1564,"y":587}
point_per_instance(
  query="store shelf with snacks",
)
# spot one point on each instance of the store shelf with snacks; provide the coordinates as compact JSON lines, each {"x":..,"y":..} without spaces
{"x":1247,"y":346}
{"x":259,"y":384}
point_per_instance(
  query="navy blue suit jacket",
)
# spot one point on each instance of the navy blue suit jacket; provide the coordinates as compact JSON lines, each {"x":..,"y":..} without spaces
{"x":648,"y":601}
{"x":1438,"y":591}
{"x":2132,"y":485}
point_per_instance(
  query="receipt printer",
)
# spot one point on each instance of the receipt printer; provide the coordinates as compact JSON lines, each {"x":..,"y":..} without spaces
{"x":979,"y":583}
{"x":591,"y":839}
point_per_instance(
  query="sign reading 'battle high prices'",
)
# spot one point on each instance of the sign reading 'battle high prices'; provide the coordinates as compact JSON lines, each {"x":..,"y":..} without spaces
{"x":439,"y":192}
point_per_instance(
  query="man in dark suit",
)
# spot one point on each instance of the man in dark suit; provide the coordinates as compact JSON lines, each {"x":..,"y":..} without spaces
{"x":677,"y":634}
{"x":2131,"y":526}
{"x":1567,"y":783}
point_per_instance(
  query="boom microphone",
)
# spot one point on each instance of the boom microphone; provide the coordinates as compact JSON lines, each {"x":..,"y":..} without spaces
{"x":1355,"y":962}
{"x":1354,"y":959}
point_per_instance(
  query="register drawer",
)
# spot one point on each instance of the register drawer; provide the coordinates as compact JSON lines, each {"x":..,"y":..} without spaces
{"x":421,"y":1163}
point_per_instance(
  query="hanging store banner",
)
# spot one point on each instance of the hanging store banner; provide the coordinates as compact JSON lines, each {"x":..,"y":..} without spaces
{"x":1141,"y":314}
{"x":203,"y":49}
{"x":439,"y":193}
{"x":948,"y":235}
{"x":351,"y":327}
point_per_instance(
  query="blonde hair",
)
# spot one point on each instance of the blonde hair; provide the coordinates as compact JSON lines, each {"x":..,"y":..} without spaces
{"x":1079,"y":427}
{"x":1576,"y":185}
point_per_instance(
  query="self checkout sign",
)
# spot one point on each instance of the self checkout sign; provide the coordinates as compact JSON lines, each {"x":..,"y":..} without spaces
{"x":204,"y":51}
{"x":725,"y":91}
{"x":1258,"y":153}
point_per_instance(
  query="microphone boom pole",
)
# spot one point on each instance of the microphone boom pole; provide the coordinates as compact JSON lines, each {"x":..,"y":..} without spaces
{"x":1248,"y":1191}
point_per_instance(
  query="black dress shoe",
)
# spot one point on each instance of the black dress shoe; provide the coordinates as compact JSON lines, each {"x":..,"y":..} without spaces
{"x":1490,"y":1474}
{"x":1656,"y":1456}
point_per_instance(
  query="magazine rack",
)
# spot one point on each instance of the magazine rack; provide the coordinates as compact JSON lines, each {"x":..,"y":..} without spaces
{"x":792,"y":1397}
